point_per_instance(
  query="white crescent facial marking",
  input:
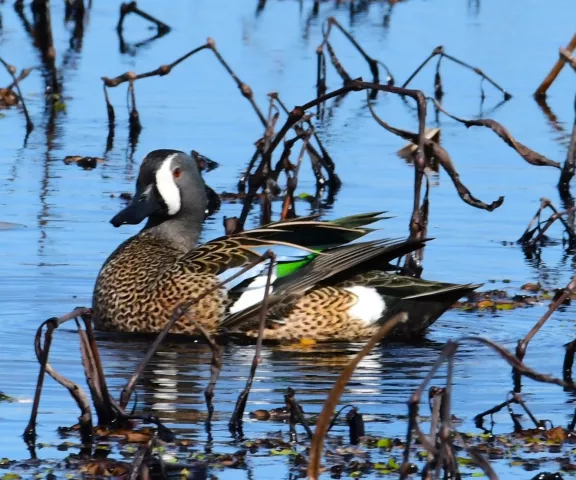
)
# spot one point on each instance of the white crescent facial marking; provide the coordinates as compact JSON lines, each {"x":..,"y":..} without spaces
{"x":253,"y":293}
{"x":370,"y":305}
{"x":167,"y":187}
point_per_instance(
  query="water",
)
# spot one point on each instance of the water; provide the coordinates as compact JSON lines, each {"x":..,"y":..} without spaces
{"x":51,"y":257}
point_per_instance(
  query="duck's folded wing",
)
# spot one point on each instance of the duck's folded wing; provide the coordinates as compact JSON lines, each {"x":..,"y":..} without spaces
{"x":405,"y":287}
{"x":287,"y":290}
{"x":239,"y":250}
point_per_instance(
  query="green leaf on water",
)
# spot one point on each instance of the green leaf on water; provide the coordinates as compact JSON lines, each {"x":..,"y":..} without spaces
{"x":10,"y":476}
{"x":356,"y":474}
{"x":384,"y":443}
{"x":382,"y":468}
{"x":393,"y":464}
{"x":59,"y":107}
{"x":284,"y":451}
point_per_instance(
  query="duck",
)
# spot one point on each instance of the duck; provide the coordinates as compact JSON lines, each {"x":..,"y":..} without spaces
{"x":338,"y":288}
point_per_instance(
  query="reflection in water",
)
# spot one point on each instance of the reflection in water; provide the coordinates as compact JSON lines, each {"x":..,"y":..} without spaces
{"x":172,"y":386}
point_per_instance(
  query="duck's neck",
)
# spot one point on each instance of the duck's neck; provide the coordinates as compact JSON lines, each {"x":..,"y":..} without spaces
{"x":176,"y":232}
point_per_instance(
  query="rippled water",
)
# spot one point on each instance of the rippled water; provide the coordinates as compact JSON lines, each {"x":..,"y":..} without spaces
{"x":49,"y":260}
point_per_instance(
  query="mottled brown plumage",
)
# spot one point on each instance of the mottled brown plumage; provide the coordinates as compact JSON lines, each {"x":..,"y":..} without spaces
{"x":321,"y":315}
{"x":330,"y":296}
{"x":143,"y":281}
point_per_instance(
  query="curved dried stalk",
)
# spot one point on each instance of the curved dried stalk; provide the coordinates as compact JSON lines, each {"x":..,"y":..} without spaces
{"x":79,"y":396}
{"x":16,"y":82}
{"x":523,"y":344}
{"x":556,"y":69}
{"x":434,"y":149}
{"x":531,"y":156}
{"x":245,"y":89}
{"x":447,"y":354}
{"x":298,"y":113}
{"x":132,"y":7}
{"x":570,"y":164}
{"x":439,"y":50}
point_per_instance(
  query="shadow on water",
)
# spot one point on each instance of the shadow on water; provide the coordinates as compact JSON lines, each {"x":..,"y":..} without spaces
{"x":54,"y":217}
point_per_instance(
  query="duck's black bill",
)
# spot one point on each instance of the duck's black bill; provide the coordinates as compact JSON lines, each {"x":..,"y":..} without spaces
{"x":133,"y":214}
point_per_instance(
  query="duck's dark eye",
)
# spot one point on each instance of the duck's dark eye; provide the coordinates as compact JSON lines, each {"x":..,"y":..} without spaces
{"x":176,"y":172}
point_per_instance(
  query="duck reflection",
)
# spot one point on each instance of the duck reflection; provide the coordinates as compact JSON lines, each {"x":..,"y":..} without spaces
{"x":172,"y":385}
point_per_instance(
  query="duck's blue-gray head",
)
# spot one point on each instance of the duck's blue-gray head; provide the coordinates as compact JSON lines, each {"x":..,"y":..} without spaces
{"x":170,"y":191}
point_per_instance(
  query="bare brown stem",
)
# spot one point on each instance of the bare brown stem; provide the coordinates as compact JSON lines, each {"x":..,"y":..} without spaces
{"x":531,"y":156}
{"x":323,"y":158}
{"x":79,"y":396}
{"x":245,"y":89}
{"x":30,"y":431}
{"x":215,"y":369}
{"x":337,"y":64}
{"x":11,"y":71}
{"x":568,"y":58}
{"x":132,"y":7}
{"x":435,"y":150}
{"x":296,"y":411}
{"x":557,"y":216}
{"x":529,"y":232}
{"x":448,"y":353}
{"x":160,"y":71}
{"x":570,"y":163}
{"x":23,"y":74}
{"x":440,"y":51}
{"x":569,"y":361}
{"x":332,"y":401}
{"x":354,"y":85}
{"x":523,"y":344}
{"x":235,"y":424}
{"x":42,"y":353}
{"x":556,"y":69}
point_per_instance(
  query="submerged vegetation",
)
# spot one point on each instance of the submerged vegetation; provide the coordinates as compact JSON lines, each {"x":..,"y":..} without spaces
{"x":124,"y":441}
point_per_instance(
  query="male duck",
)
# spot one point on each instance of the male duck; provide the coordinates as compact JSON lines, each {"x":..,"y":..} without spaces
{"x":340,"y":294}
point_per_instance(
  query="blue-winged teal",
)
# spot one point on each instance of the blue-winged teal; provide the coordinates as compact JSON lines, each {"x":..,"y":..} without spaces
{"x":343,"y":293}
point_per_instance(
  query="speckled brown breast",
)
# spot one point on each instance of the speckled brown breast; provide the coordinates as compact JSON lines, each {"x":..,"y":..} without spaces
{"x":142,"y":282}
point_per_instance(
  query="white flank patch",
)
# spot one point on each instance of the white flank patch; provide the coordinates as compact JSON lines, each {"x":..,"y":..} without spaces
{"x":167,"y":186}
{"x":370,"y":306}
{"x":253,"y":293}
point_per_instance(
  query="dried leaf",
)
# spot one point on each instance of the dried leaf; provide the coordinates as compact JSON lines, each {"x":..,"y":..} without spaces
{"x":485,"y":304}
{"x":531,"y":287}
